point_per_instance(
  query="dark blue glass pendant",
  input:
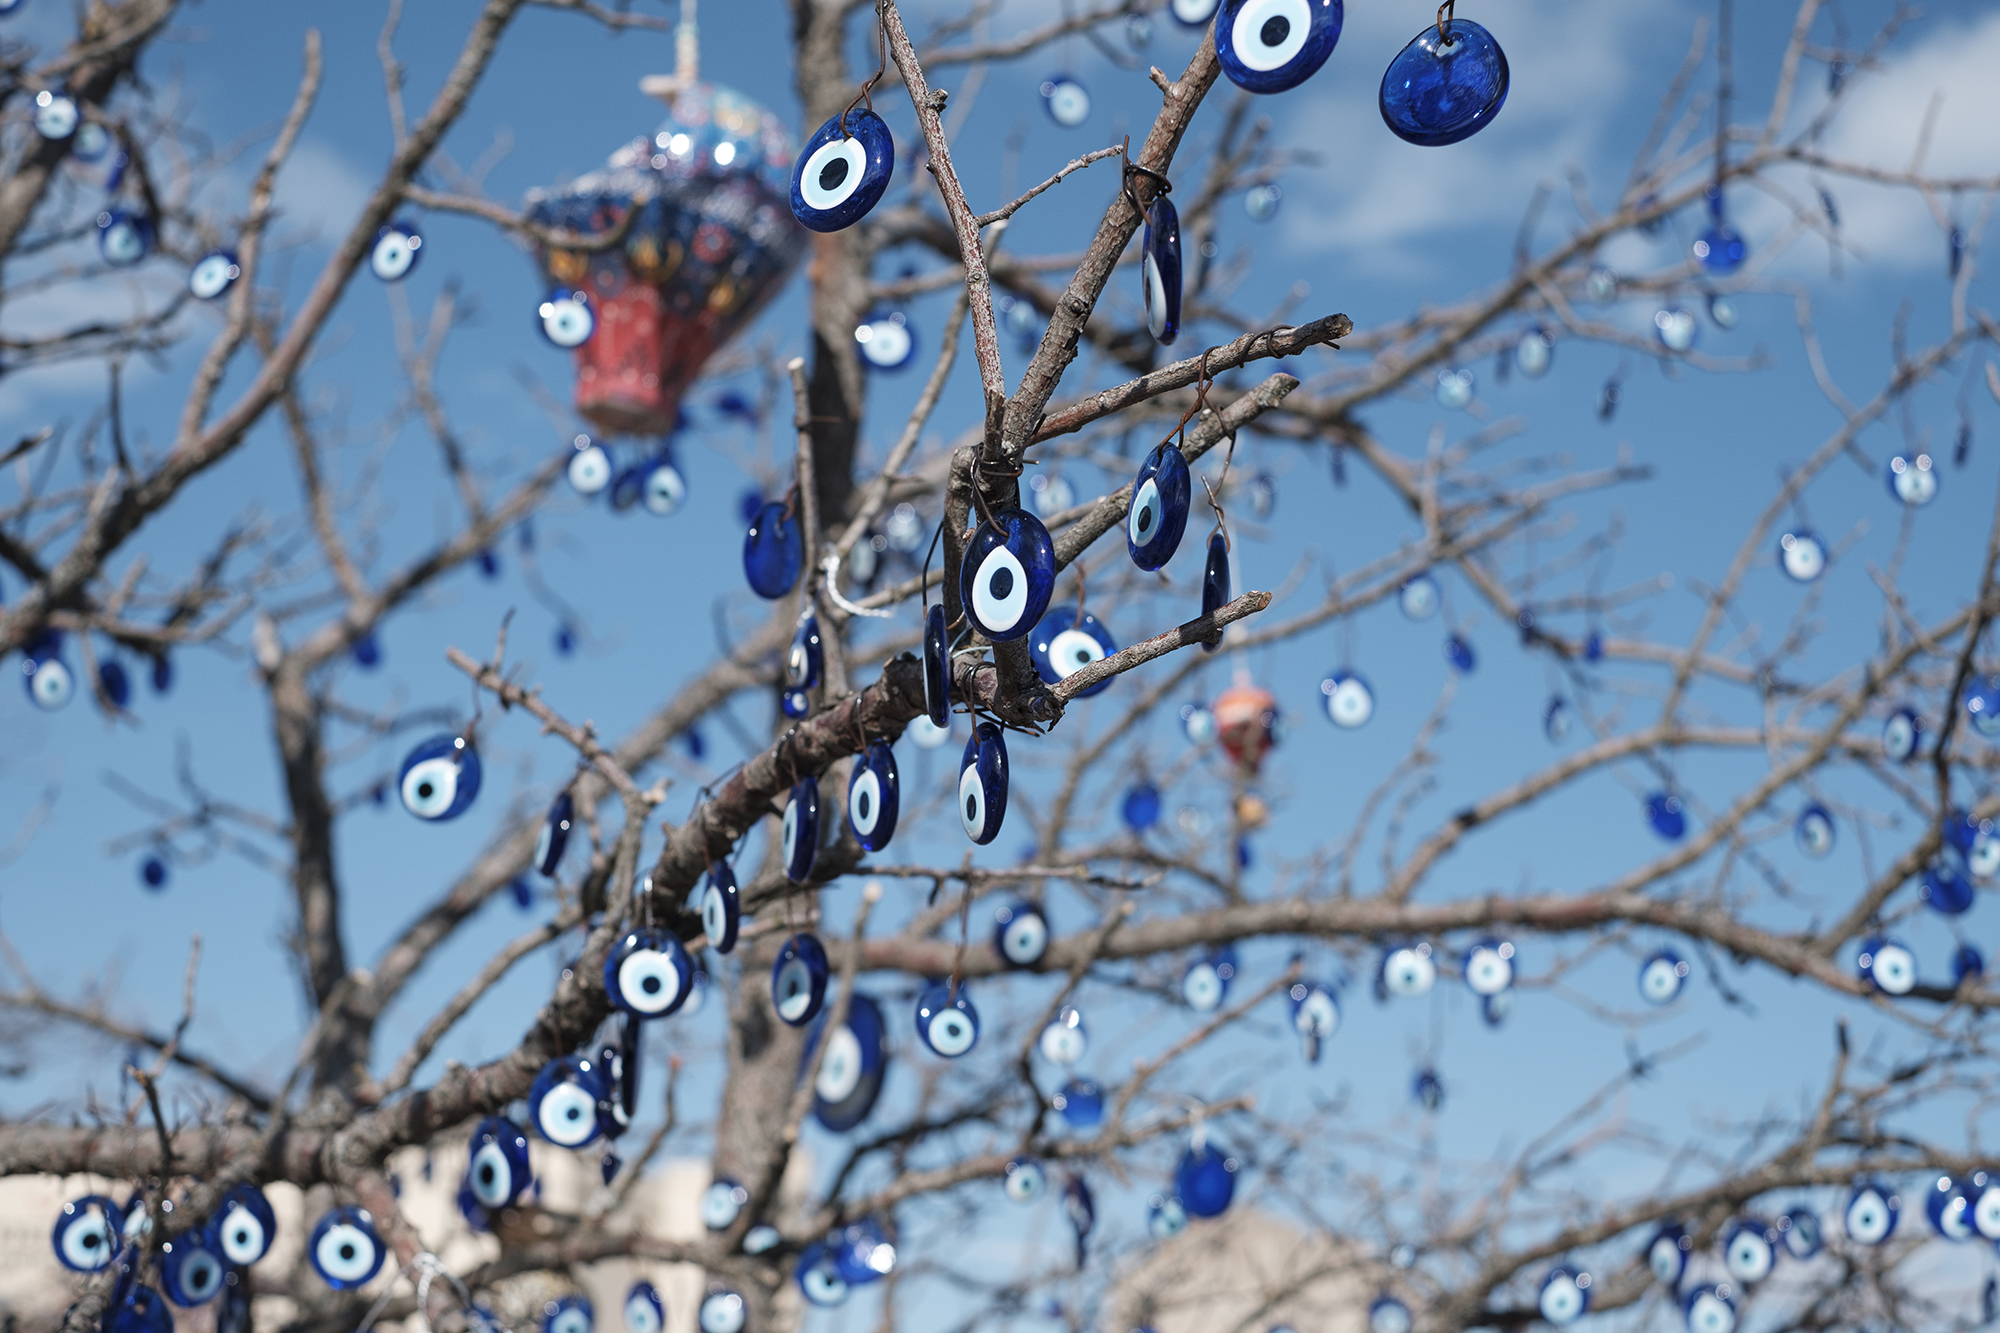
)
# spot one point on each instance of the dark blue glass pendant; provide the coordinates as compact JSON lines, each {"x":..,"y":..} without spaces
{"x":345,"y":1249}
{"x":937,"y":669}
{"x":1066,"y":101}
{"x":87,"y":1232}
{"x":1458,"y":651}
{"x":1141,"y":807}
{"x":798,"y":980}
{"x":1720,"y":249}
{"x":1267,"y":46}
{"x":872,"y":800}
{"x":124,"y":238}
{"x":887,"y":343}
{"x":1007,"y":574}
{"x":850,"y":1077}
{"x":773,"y":552}
{"x":1159,"y":512}
{"x":648,"y":974}
{"x":803,"y":666}
{"x":1664,"y":813}
{"x":1206,"y":1180}
{"x":1081,"y":1210}
{"x":555,"y":834}
{"x":1020,"y":934}
{"x":801,"y":832}
{"x":395,"y":253}
{"x":1160,"y":269}
{"x":946,"y":1020}
{"x":563,"y":1102}
{"x":1063,"y":645}
{"x":662,"y":487}
{"x":440,"y":778}
{"x":116,"y":684}
{"x":841,"y":174}
{"x":214,"y":274}
{"x":1215,"y":583}
{"x":499,"y":1171}
{"x":44,"y":674}
{"x":721,"y":907}
{"x":1192,"y":13}
{"x":1442,"y":90}
{"x":982,"y":783}
{"x":567,"y":317}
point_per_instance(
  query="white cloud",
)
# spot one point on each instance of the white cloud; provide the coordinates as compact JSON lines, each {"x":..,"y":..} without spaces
{"x":319,"y":188}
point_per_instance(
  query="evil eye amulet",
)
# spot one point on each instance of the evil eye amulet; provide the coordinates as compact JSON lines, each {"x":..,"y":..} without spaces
{"x":1349,"y":701}
{"x":86,"y":1235}
{"x":1800,"y":1232}
{"x":555,"y":834}
{"x":191,"y":1272}
{"x":851,"y":1071}
{"x":1661,"y":977}
{"x":1160,"y":271}
{"x":1065,"y":1039}
{"x":1887,"y":965}
{"x":773,"y":552}
{"x":1665,"y":813}
{"x":1205,"y":983}
{"x":643,"y":1311}
{"x":1709,"y":1308}
{"x":1192,"y":13}
{"x":1749,"y":1249}
{"x":819,"y":1277}
{"x":1444,"y":88}
{"x":721,"y":907}
{"x":1802,"y":556}
{"x":807,"y":657}
{"x":1315,"y":1015}
{"x":571,"y":1314}
{"x":1206,"y":1180}
{"x":1901,"y":735}
{"x":563,"y":1102}
{"x":872,"y":801}
{"x":1564,"y":1296}
{"x":1912,"y":479}
{"x":947,"y":1022}
{"x":1063,"y":645}
{"x":214,"y":274}
{"x":1215,"y":584}
{"x":1949,"y":1206}
{"x":247,"y":1226}
{"x":721,"y":1312}
{"x":1268,"y":46}
{"x":124,"y":238}
{"x":887,"y":343}
{"x":1872,"y":1210}
{"x":1721,"y":249}
{"x":1159,"y":512}
{"x":1488,"y":967}
{"x":722,"y":1203}
{"x":841,"y":175}
{"x":498,"y":1172}
{"x":345,"y":1249}
{"x":567,"y":317}
{"x":1419,"y":597}
{"x":648,"y":974}
{"x":56,"y":114}
{"x":800,"y":841}
{"x":1020,"y":934}
{"x":937,"y":669}
{"x":440,"y":778}
{"x":589,"y":468}
{"x":662,"y":488}
{"x":1007,"y":574}
{"x":982,"y":783}
{"x":1026,"y":1181}
{"x":45,"y":675}
{"x":395,"y":252}
{"x":1389,"y":1315}
{"x":1406,"y":972}
{"x":1814,"y":831}
{"x":1667,"y":1253}
{"x":1066,"y":101}
{"x":798,"y":980}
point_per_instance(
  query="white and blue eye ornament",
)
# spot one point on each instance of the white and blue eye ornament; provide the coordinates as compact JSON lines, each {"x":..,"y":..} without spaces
{"x":1709,"y":1308}
{"x":1557,"y":718}
{"x":1420,"y":597}
{"x":555,"y":833}
{"x":1205,"y":983}
{"x":344,"y":1248}
{"x":1661,"y":977}
{"x":1488,"y":967}
{"x":1315,"y":1016}
{"x":1388,"y":1315}
{"x":1007,"y":575}
{"x":662,"y":488}
{"x":887,"y":342}
{"x":140,"y":1310}
{"x":1913,"y":480}
{"x":850,"y":1076}
{"x":1160,"y":271}
{"x":1982,"y":704}
{"x":644,"y":1312}
{"x":1535,"y":352}
{"x":1348,"y":701}
{"x":567,"y":317}
{"x":843,"y":170}
{"x":1066,"y":101}
{"x":1405,"y":971}
{"x":819,"y":1277}
{"x":1020,"y":934}
{"x":395,"y":252}
{"x":798,"y":980}
{"x":124,"y":237}
{"x":863,"y":1251}
{"x":1065,"y":1039}
{"x":246,"y":1226}
{"x":191,"y":1271}
{"x":946,"y":1020}
{"x":1192,"y":13}
{"x":1269,"y":46}
{"x":722,"y":1203}
{"x":1750,"y":1249}
{"x":1064,"y":643}
{"x":564,"y":1101}
{"x":1802,"y":555}
{"x":1799,"y":1231}
{"x":1080,"y":1102}
{"x":1813,"y":831}
{"x":213,"y":274}
{"x":800,"y":840}
{"x":440,"y":778}
{"x":1166,"y":1217}
{"x":1872,"y":1210}
{"x":982,"y":783}
{"x":1564,"y":1297}
{"x":571,"y":1314}
{"x":1887,"y":965}
{"x":1667,"y":1254}
{"x":1902,"y":736}
{"x":1948,"y":1203}
{"x":497,"y":1171}
{"x":56,"y":114}
{"x":722,"y":1311}
{"x":872,"y":799}
{"x":589,"y":468}
{"x":1215,"y":582}
{"x":87,"y":1233}
{"x":1446,"y":85}
{"x":1983,"y":1188}
{"x":1198,"y":723}
{"x":649,"y":973}
{"x":721,"y":907}
{"x":45,"y":675}
{"x":1159,"y":512}
{"x":1676,"y":327}
{"x":1025,"y":1181}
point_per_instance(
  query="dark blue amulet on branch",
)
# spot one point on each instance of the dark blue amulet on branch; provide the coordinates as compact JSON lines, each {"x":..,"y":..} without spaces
{"x":773,"y":552}
{"x":937,"y":669}
{"x":1006,"y":575}
{"x":843,"y":171}
{"x":1268,"y":46}
{"x":1444,"y":88}
{"x":1160,"y":270}
{"x":1065,"y":643}
{"x":1159,"y":510}
{"x":1215,"y":583}
{"x":872,"y":798}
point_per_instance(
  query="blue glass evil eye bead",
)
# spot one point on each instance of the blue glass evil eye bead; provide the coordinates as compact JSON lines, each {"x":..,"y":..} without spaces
{"x":1165,"y":1217}
{"x":1215,"y":584}
{"x":589,"y":469}
{"x":116,"y":684}
{"x":1676,"y":327}
{"x":1267,"y":46}
{"x":1967,"y":961}
{"x":946,"y":1021}
{"x":982,"y":783}
{"x":872,"y":800}
{"x":937,"y":669}
{"x":1949,"y":1206}
{"x":1913,"y":480}
{"x":191,"y":1272}
{"x":1063,"y":645}
{"x":1440,"y":90}
{"x":1020,"y":934}
{"x":1661,"y":977}
{"x":498,"y":1171}
{"x":819,"y":1277}
{"x":1025,"y":1181}
{"x":1664,"y":813}
{"x":395,"y":252}
{"x":1946,"y":887}
{"x":1458,"y":652}
{"x":87,"y":1231}
{"x":662,"y":488}
{"x":800,"y":840}
{"x":1160,"y":271}
{"x":1488,"y":967}
{"x":841,"y":174}
{"x":1205,"y":983}
{"x":124,"y":238}
{"x":213,"y":274}
{"x":56,"y":114}
{"x":1720,"y":249}
{"x":721,"y":1312}
{"x":345,"y":1249}
{"x":807,"y":657}
{"x":570,"y":1314}
{"x":649,"y":974}
{"x":1007,"y":574}
{"x":142,"y":1310}
{"x":1348,"y":700}
{"x":1405,"y":971}
{"x":1158,"y":516}
{"x":1872,"y":1211}
{"x":1206,"y":1179}
{"x":863,"y":1251}
{"x":851,"y":1073}
{"x":567,"y":317}
{"x":45,"y":675}
{"x":798,"y":980}
{"x":1902,"y":734}
{"x":1315,"y":1015}
{"x":1802,"y":555}
{"x":246,"y":1226}
{"x":1982,"y":705}
{"x":644,"y":1312}
{"x":563,"y":1101}
{"x":1198,"y":723}
{"x":1066,"y":101}
{"x":440,"y":778}
{"x":1141,"y":807}
{"x":1887,"y":965}
{"x":555,"y":834}
{"x":721,"y":907}
{"x":1667,"y":1254}
{"x":1750,"y":1249}
{"x":887,"y":343}
{"x":1065,"y":1040}
{"x":1564,"y":1296}
{"x":1800,"y":1232}
{"x":1388,"y":1315}
{"x":1080,"y":1102}
{"x":722,"y":1203}
{"x":773,"y":552}
{"x":1192,"y":13}
{"x":1813,"y":831}
{"x":1709,"y":1308}
{"x":1419,"y":597}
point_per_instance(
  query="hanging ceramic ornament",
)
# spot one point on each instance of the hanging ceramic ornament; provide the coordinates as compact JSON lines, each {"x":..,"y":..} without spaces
{"x":773,"y":552}
{"x":1065,"y":642}
{"x":1246,"y":721}
{"x":1006,"y":575}
{"x":1159,"y":512}
{"x":1215,"y":582}
{"x":1447,"y":84}
{"x":1066,"y":101}
{"x":1269,"y":46}
{"x":1719,"y":248}
{"x":1535,"y":352}
{"x":843,"y":171}
{"x":1160,"y":269}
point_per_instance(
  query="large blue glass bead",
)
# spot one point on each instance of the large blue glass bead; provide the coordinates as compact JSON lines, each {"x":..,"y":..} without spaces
{"x":1439,"y":92}
{"x":1063,"y":645}
{"x":857,"y":1058}
{"x":124,"y":238}
{"x":1664,"y":813}
{"x":440,"y":778}
{"x":1206,"y":1180}
{"x":937,"y":669}
{"x":1215,"y":583}
{"x":841,"y":175}
{"x":1267,"y":46}
{"x":1007,"y":574}
{"x":773,"y":552}
{"x":982,"y":783}
{"x":1066,"y":101}
{"x":1720,"y":249}
{"x":1160,"y":270}
{"x":1159,"y":512}
{"x":873,"y":801}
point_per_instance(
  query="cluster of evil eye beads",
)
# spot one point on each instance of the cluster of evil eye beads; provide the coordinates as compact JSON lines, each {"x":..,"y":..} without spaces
{"x":95,"y":1234}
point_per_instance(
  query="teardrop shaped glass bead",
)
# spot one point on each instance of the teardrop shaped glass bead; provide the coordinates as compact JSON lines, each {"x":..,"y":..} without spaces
{"x":1441,"y":90}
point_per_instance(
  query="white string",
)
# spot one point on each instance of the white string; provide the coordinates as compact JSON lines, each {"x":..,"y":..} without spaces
{"x":832,"y":567}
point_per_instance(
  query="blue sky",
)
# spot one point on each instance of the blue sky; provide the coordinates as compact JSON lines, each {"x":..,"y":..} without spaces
{"x":1370,"y":226}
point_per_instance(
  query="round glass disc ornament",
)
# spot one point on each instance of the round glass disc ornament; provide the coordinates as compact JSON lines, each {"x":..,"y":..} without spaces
{"x":1446,"y":85}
